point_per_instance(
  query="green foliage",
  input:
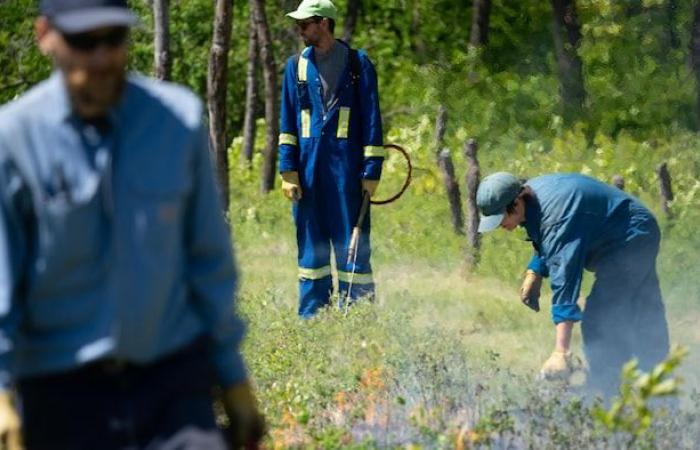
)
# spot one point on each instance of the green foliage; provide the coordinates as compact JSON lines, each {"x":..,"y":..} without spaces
{"x":20,"y":59}
{"x":632,"y":411}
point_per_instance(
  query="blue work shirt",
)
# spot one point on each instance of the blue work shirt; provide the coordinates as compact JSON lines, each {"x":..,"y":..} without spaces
{"x":575,"y":222}
{"x":344,"y":143}
{"x":112,"y":239}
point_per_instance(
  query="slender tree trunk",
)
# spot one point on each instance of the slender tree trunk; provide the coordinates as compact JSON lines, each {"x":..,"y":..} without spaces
{"x":216,"y":92}
{"x":695,"y":53}
{"x":270,"y":76}
{"x":163,"y":62}
{"x":567,"y":37}
{"x":665,"y":188}
{"x":454,"y":197}
{"x":440,"y":129}
{"x":251,"y":96}
{"x":444,"y":160}
{"x":671,"y":11}
{"x":351,"y":19}
{"x":473,"y":179}
{"x":479,"y":36}
{"x":417,"y":43}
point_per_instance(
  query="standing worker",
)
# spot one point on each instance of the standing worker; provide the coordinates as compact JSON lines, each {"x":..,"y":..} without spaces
{"x":331,"y":154}
{"x":576,"y":222}
{"x":116,"y":269}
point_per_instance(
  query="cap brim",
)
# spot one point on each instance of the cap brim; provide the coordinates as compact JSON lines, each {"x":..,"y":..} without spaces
{"x":299,"y":15}
{"x":490,"y":223}
{"x":93,"y":18}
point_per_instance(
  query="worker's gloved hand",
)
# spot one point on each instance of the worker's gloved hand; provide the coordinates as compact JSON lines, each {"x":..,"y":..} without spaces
{"x":530,"y":290}
{"x":10,"y":437}
{"x":557,"y":367}
{"x":246,"y":424}
{"x":369,"y":186}
{"x":291,"y":187}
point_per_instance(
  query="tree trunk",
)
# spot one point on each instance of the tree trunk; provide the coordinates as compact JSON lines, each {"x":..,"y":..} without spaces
{"x":444,"y":161}
{"x":479,"y":36}
{"x":454,"y":197}
{"x":251,"y":95}
{"x":695,"y":54}
{"x":567,"y":36}
{"x":163,"y":62}
{"x":416,"y":41}
{"x":440,"y":128}
{"x":270,"y":76}
{"x":473,"y":178}
{"x":671,"y":11}
{"x":351,"y":20}
{"x":665,"y":188}
{"x":216,"y":92}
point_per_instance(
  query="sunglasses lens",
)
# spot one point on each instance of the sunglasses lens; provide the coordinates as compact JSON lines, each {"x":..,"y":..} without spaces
{"x":89,"y":41}
{"x":82,"y":41}
{"x":303,"y":24}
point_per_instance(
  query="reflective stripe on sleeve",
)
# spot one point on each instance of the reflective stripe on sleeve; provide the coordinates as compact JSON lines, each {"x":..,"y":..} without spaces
{"x":289,"y":139}
{"x":302,"y":67}
{"x":343,"y":122}
{"x":305,"y":123}
{"x":359,"y":278}
{"x":375,"y":151}
{"x":314,"y":274}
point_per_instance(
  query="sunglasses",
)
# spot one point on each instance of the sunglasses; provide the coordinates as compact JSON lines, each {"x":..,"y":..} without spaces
{"x":303,"y":24}
{"x":87,"y":42}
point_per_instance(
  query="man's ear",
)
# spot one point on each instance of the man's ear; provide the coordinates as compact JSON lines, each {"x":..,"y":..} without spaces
{"x":45,"y":35}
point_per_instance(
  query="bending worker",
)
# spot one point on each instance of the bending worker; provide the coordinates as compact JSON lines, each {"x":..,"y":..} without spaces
{"x":116,"y":271}
{"x":331,"y":152}
{"x":576,"y":222}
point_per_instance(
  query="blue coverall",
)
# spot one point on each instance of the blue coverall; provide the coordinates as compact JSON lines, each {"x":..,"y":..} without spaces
{"x":332,"y":151}
{"x":576,"y":222}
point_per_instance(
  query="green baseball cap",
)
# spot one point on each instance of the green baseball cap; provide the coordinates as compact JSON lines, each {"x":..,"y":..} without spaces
{"x":495,"y":193}
{"x":311,"y":8}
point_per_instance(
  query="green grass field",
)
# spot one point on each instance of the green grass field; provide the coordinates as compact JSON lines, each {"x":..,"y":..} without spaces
{"x":444,"y":358}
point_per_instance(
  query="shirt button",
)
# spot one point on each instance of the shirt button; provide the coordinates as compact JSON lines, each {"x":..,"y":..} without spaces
{"x":323,"y":133}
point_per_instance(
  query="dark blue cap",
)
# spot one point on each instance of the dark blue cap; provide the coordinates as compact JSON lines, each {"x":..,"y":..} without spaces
{"x":78,"y":16}
{"x":494,"y":194}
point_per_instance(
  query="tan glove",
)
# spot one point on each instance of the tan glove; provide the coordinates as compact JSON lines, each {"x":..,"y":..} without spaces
{"x":530,"y":290}
{"x":10,"y":437}
{"x":246,"y":424}
{"x":291,"y":187}
{"x":557,"y":367}
{"x":369,"y":186}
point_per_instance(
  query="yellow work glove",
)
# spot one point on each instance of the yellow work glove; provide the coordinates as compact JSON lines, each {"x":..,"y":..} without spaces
{"x":246,"y":424}
{"x":291,"y":187}
{"x":369,"y":186}
{"x":10,"y":437}
{"x":557,"y":367}
{"x":530,"y":290}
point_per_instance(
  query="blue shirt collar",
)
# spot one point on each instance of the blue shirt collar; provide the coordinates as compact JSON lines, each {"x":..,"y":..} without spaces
{"x":533,"y":218}
{"x":61,"y":109}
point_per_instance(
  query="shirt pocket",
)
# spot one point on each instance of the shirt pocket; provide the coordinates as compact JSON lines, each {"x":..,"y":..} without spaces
{"x":74,"y":238}
{"x":157,"y":220}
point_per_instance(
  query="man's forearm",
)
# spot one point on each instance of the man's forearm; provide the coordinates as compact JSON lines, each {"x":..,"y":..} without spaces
{"x":563,"y":337}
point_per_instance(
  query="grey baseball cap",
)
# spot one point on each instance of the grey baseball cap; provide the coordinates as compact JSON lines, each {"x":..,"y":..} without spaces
{"x":79,"y":16}
{"x":495,"y":193}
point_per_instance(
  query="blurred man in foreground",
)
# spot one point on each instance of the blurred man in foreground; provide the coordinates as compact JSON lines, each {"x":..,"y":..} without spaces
{"x":576,"y":222}
{"x":116,"y":271}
